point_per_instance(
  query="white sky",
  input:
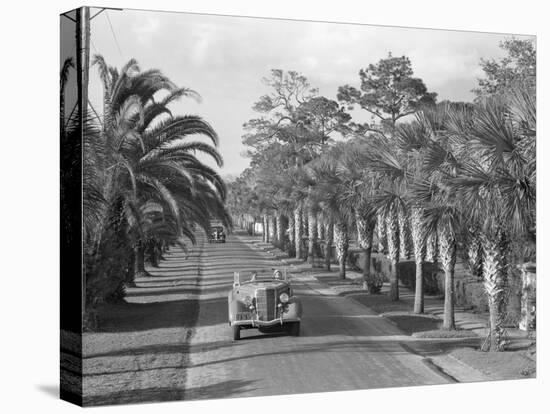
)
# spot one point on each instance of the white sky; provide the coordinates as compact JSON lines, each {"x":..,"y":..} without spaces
{"x":225,"y":58}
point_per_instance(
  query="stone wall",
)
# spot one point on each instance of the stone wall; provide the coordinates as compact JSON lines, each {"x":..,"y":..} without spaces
{"x":529,"y":296}
{"x":469,"y":291}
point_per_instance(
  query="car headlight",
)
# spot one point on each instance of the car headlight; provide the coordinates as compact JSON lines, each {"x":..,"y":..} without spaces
{"x":284,"y":297}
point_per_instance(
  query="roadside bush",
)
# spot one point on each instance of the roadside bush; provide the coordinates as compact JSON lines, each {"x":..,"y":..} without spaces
{"x":109,"y":266}
{"x":407,"y":276}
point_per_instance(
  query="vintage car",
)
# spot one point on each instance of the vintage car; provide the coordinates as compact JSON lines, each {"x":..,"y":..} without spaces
{"x":263,"y":301}
{"x":217,"y":235}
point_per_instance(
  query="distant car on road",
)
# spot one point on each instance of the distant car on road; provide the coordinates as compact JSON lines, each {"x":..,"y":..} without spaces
{"x":265,"y":302}
{"x":217,"y":234}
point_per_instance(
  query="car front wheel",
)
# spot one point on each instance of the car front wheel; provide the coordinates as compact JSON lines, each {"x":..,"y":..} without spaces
{"x":236,"y":332}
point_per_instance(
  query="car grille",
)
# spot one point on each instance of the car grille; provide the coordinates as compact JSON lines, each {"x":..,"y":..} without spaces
{"x":266,"y":304}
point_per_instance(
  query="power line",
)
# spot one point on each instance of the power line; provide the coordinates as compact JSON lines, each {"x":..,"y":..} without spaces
{"x":113,"y":32}
{"x":95,"y":49}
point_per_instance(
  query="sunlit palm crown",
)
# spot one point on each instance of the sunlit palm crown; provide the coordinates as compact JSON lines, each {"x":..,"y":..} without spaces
{"x":150,"y":155}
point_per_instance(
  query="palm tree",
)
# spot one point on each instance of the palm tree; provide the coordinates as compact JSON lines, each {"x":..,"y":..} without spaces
{"x":329,"y":188}
{"x":299,"y":184}
{"x":280,"y":236}
{"x":298,"y":230}
{"x":381,"y":232}
{"x":404,"y":232}
{"x":312,"y":235}
{"x":392,"y":227}
{"x":431,"y":247}
{"x":419,"y":244}
{"x":475,"y":251}
{"x":271,"y":228}
{"x":386,"y":161}
{"x":63,"y":77}
{"x":341,"y":241}
{"x":413,"y":139}
{"x":442,"y":214}
{"x":365,"y":231}
{"x":291,"y":233}
{"x":148,"y":155}
{"x":497,"y":184}
{"x":358,"y":192}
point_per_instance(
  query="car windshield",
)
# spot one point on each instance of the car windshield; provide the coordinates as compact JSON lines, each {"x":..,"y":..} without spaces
{"x":261,"y":275}
{"x":217,"y":228}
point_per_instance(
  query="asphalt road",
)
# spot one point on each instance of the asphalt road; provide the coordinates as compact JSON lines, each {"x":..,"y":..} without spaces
{"x":171,"y":339}
{"x":343,"y":345}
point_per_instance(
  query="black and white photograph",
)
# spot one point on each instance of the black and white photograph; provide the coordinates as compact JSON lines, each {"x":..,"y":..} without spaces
{"x":265,"y":207}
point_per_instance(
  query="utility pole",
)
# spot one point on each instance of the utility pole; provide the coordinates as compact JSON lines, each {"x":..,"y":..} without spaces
{"x":82,"y":59}
{"x":85,"y":57}
{"x":82,"y":67}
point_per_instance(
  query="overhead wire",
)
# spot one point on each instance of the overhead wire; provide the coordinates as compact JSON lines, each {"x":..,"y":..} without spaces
{"x":113,"y":32}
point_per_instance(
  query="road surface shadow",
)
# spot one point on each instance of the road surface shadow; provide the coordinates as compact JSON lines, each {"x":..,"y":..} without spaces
{"x":368,"y":346}
{"x":411,"y":323}
{"x":196,"y":290}
{"x":159,"y":349}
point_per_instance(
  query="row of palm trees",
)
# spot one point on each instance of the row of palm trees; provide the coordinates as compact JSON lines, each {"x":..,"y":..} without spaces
{"x":144,"y":189}
{"x":458,"y":178}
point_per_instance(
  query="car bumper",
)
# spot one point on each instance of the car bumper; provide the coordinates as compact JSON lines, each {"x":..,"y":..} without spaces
{"x":258,"y":323}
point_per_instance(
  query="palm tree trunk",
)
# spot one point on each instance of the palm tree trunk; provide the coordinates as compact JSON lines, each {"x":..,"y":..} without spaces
{"x":280,"y":231}
{"x":320,"y":228}
{"x":312,"y":238}
{"x":475,"y":260}
{"x":493,"y":284}
{"x":329,"y":232}
{"x":342,"y":244}
{"x":419,"y":244}
{"x":139,"y":264}
{"x":365,"y":233}
{"x":381,"y":233}
{"x":267,"y":229}
{"x":305,"y":232}
{"x":404,"y":236}
{"x":271,"y":227}
{"x":154,"y":255}
{"x":419,"y":288}
{"x":432,"y":248}
{"x":392,"y":234}
{"x":447,"y":254}
{"x":265,"y":236}
{"x":131,"y":269}
{"x":291,"y":233}
{"x":298,"y":232}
